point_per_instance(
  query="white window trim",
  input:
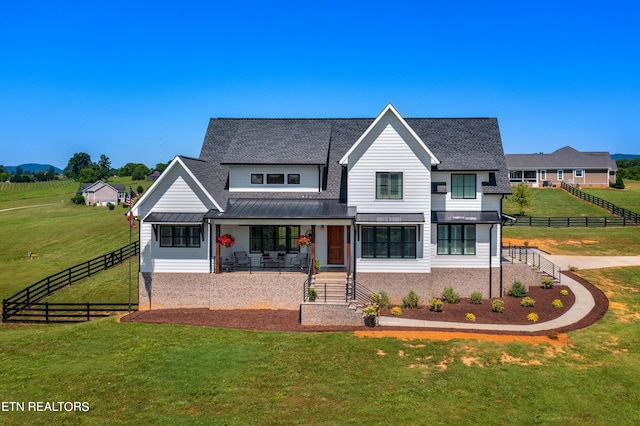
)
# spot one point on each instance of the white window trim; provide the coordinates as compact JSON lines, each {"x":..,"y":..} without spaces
{"x":560,"y":174}
{"x":575,"y":173}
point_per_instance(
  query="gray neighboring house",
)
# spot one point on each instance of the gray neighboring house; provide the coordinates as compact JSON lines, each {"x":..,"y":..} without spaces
{"x":563,"y":165}
{"x":100,"y":193}
{"x":389,"y":203}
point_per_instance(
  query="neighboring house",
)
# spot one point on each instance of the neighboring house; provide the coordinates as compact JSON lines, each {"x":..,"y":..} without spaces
{"x":398,"y":204}
{"x":564,"y":165}
{"x":153,"y":174}
{"x":101,"y":194}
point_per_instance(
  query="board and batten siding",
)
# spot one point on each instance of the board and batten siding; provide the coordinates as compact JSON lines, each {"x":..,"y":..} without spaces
{"x":389,"y":147}
{"x":176,"y":193}
{"x":240,"y":178}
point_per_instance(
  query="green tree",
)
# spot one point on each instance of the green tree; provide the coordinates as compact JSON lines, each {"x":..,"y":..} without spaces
{"x":88,"y":174}
{"x":19,"y":171}
{"x":161,"y":166}
{"x":521,"y":196}
{"x":79,"y":161}
{"x":139,"y":172}
{"x":104,"y":167}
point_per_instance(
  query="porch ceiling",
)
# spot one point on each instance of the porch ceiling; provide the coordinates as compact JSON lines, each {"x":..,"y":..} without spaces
{"x":246,"y":208}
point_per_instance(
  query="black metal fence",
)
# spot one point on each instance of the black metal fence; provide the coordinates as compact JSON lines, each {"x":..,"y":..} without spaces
{"x":65,"y":312}
{"x":533,"y":258}
{"x":618,"y":211}
{"x":29,"y":297}
{"x":566,"y":222}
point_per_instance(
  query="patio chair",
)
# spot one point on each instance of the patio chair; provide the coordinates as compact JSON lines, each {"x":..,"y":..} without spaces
{"x":241,"y":260}
{"x":301,"y":261}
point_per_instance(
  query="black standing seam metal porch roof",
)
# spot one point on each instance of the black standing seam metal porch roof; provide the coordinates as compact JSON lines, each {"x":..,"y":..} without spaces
{"x":163,"y":217}
{"x":390,"y":218}
{"x":465,"y":217}
{"x":246,"y":208}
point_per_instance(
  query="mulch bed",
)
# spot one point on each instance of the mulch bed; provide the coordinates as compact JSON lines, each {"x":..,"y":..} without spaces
{"x":288,"y":321}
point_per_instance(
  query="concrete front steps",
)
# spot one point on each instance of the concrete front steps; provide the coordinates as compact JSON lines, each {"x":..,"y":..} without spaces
{"x":331,"y":306}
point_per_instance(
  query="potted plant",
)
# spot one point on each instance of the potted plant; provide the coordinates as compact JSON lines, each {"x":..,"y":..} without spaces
{"x":312,"y":293}
{"x":316,"y":265}
{"x":370,"y":314}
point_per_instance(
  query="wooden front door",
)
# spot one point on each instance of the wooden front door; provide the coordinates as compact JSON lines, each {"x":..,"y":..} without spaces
{"x":335,"y":245}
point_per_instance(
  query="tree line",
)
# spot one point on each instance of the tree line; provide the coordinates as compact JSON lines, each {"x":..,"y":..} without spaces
{"x":629,"y":169}
{"x":81,"y":168}
{"x":21,"y":175}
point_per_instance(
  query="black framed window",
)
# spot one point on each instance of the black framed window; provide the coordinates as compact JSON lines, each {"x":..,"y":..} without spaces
{"x":392,"y":242}
{"x":456,"y":239}
{"x":179,"y":236}
{"x":388,"y":185}
{"x":284,"y":238}
{"x":257,"y":178}
{"x":275,"y":178}
{"x":293,"y":179}
{"x":463,"y":186}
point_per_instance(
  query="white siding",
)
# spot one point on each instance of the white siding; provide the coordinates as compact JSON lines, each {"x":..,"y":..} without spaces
{"x":178,"y":193}
{"x":389,"y":147}
{"x":479,"y":260}
{"x":240,"y":178}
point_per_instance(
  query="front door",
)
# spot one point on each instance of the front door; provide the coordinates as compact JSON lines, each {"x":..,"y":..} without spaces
{"x":335,"y":245}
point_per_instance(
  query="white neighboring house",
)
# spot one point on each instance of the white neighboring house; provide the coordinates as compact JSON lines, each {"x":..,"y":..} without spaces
{"x":395,"y":204}
{"x":100,"y":193}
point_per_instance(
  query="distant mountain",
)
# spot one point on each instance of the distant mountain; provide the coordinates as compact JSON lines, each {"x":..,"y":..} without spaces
{"x":624,"y":156}
{"x":33,"y":167}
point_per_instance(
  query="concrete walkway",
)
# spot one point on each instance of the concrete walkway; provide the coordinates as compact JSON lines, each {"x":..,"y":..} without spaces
{"x":582,"y":306}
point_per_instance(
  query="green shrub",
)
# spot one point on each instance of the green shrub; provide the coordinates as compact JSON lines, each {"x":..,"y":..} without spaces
{"x":475,"y":298}
{"x":533,"y":317}
{"x":312,"y":293}
{"x":382,"y":299}
{"x":547,"y":282}
{"x":497,"y":305}
{"x":450,"y":296}
{"x":411,"y":300}
{"x":111,"y":206}
{"x":553,"y":335}
{"x":527,"y":302}
{"x":435,"y":305}
{"x":396,"y":311}
{"x":517,"y":289}
{"x":557,"y":304}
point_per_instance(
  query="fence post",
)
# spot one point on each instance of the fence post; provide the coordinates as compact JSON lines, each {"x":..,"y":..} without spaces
{"x":46,"y":312}
{"x":88,"y":312}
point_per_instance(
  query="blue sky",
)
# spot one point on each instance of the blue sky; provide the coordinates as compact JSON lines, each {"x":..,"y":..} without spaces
{"x":138,"y":81}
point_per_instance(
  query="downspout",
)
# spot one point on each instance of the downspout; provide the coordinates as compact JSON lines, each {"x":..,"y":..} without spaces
{"x":501,"y":231}
{"x":319,"y":178}
{"x":490,"y":268}
{"x":210,"y":245}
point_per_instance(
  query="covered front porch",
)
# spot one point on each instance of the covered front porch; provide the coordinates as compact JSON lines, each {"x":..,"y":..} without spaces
{"x":281,"y":236}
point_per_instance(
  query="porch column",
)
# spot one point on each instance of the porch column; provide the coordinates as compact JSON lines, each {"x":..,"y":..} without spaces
{"x":348,"y":250}
{"x":313,"y":249}
{"x":217,"y":250}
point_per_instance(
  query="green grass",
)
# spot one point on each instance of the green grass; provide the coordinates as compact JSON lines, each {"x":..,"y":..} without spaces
{"x":629,"y":198}
{"x":555,"y":202}
{"x":140,"y":373}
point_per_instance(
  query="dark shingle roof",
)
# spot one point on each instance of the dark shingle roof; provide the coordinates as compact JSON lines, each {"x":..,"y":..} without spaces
{"x":566,"y":157}
{"x":459,"y":143}
{"x":283,"y":209}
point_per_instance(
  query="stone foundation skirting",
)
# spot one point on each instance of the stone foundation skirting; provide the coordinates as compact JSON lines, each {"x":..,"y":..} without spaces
{"x":313,"y":313}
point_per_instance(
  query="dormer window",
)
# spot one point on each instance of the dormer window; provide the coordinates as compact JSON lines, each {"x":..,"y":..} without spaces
{"x":257,"y":178}
{"x":275,"y":178}
{"x":293,"y":179}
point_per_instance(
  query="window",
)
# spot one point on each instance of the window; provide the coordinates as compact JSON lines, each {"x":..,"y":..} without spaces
{"x":274,"y":238}
{"x":393,"y":242}
{"x":579,"y":172}
{"x":179,"y":236}
{"x":293,"y":179}
{"x":388,"y":185}
{"x":543,"y":175}
{"x":257,"y":178}
{"x":560,"y":174}
{"x":463,"y":186}
{"x":275,"y":178}
{"x":530,"y":175}
{"x":456,"y":239}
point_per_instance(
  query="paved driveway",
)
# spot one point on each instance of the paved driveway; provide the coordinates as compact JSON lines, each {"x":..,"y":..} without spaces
{"x":592,"y":262}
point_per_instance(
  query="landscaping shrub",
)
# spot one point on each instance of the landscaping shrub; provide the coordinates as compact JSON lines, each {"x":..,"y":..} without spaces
{"x":557,"y":304}
{"x":382,"y":299}
{"x":396,"y":311}
{"x":517,"y":289}
{"x":411,"y":300}
{"x":450,"y":296}
{"x":435,"y":305}
{"x":497,"y":305}
{"x":553,"y":335}
{"x":475,"y":298}
{"x":470,"y":317}
{"x":527,"y":302}
{"x":533,"y":317}
{"x":111,"y":206}
{"x":564,"y":292}
{"x":547,"y":282}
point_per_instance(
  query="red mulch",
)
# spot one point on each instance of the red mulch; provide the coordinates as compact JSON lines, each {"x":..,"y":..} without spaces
{"x":288,"y":320}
